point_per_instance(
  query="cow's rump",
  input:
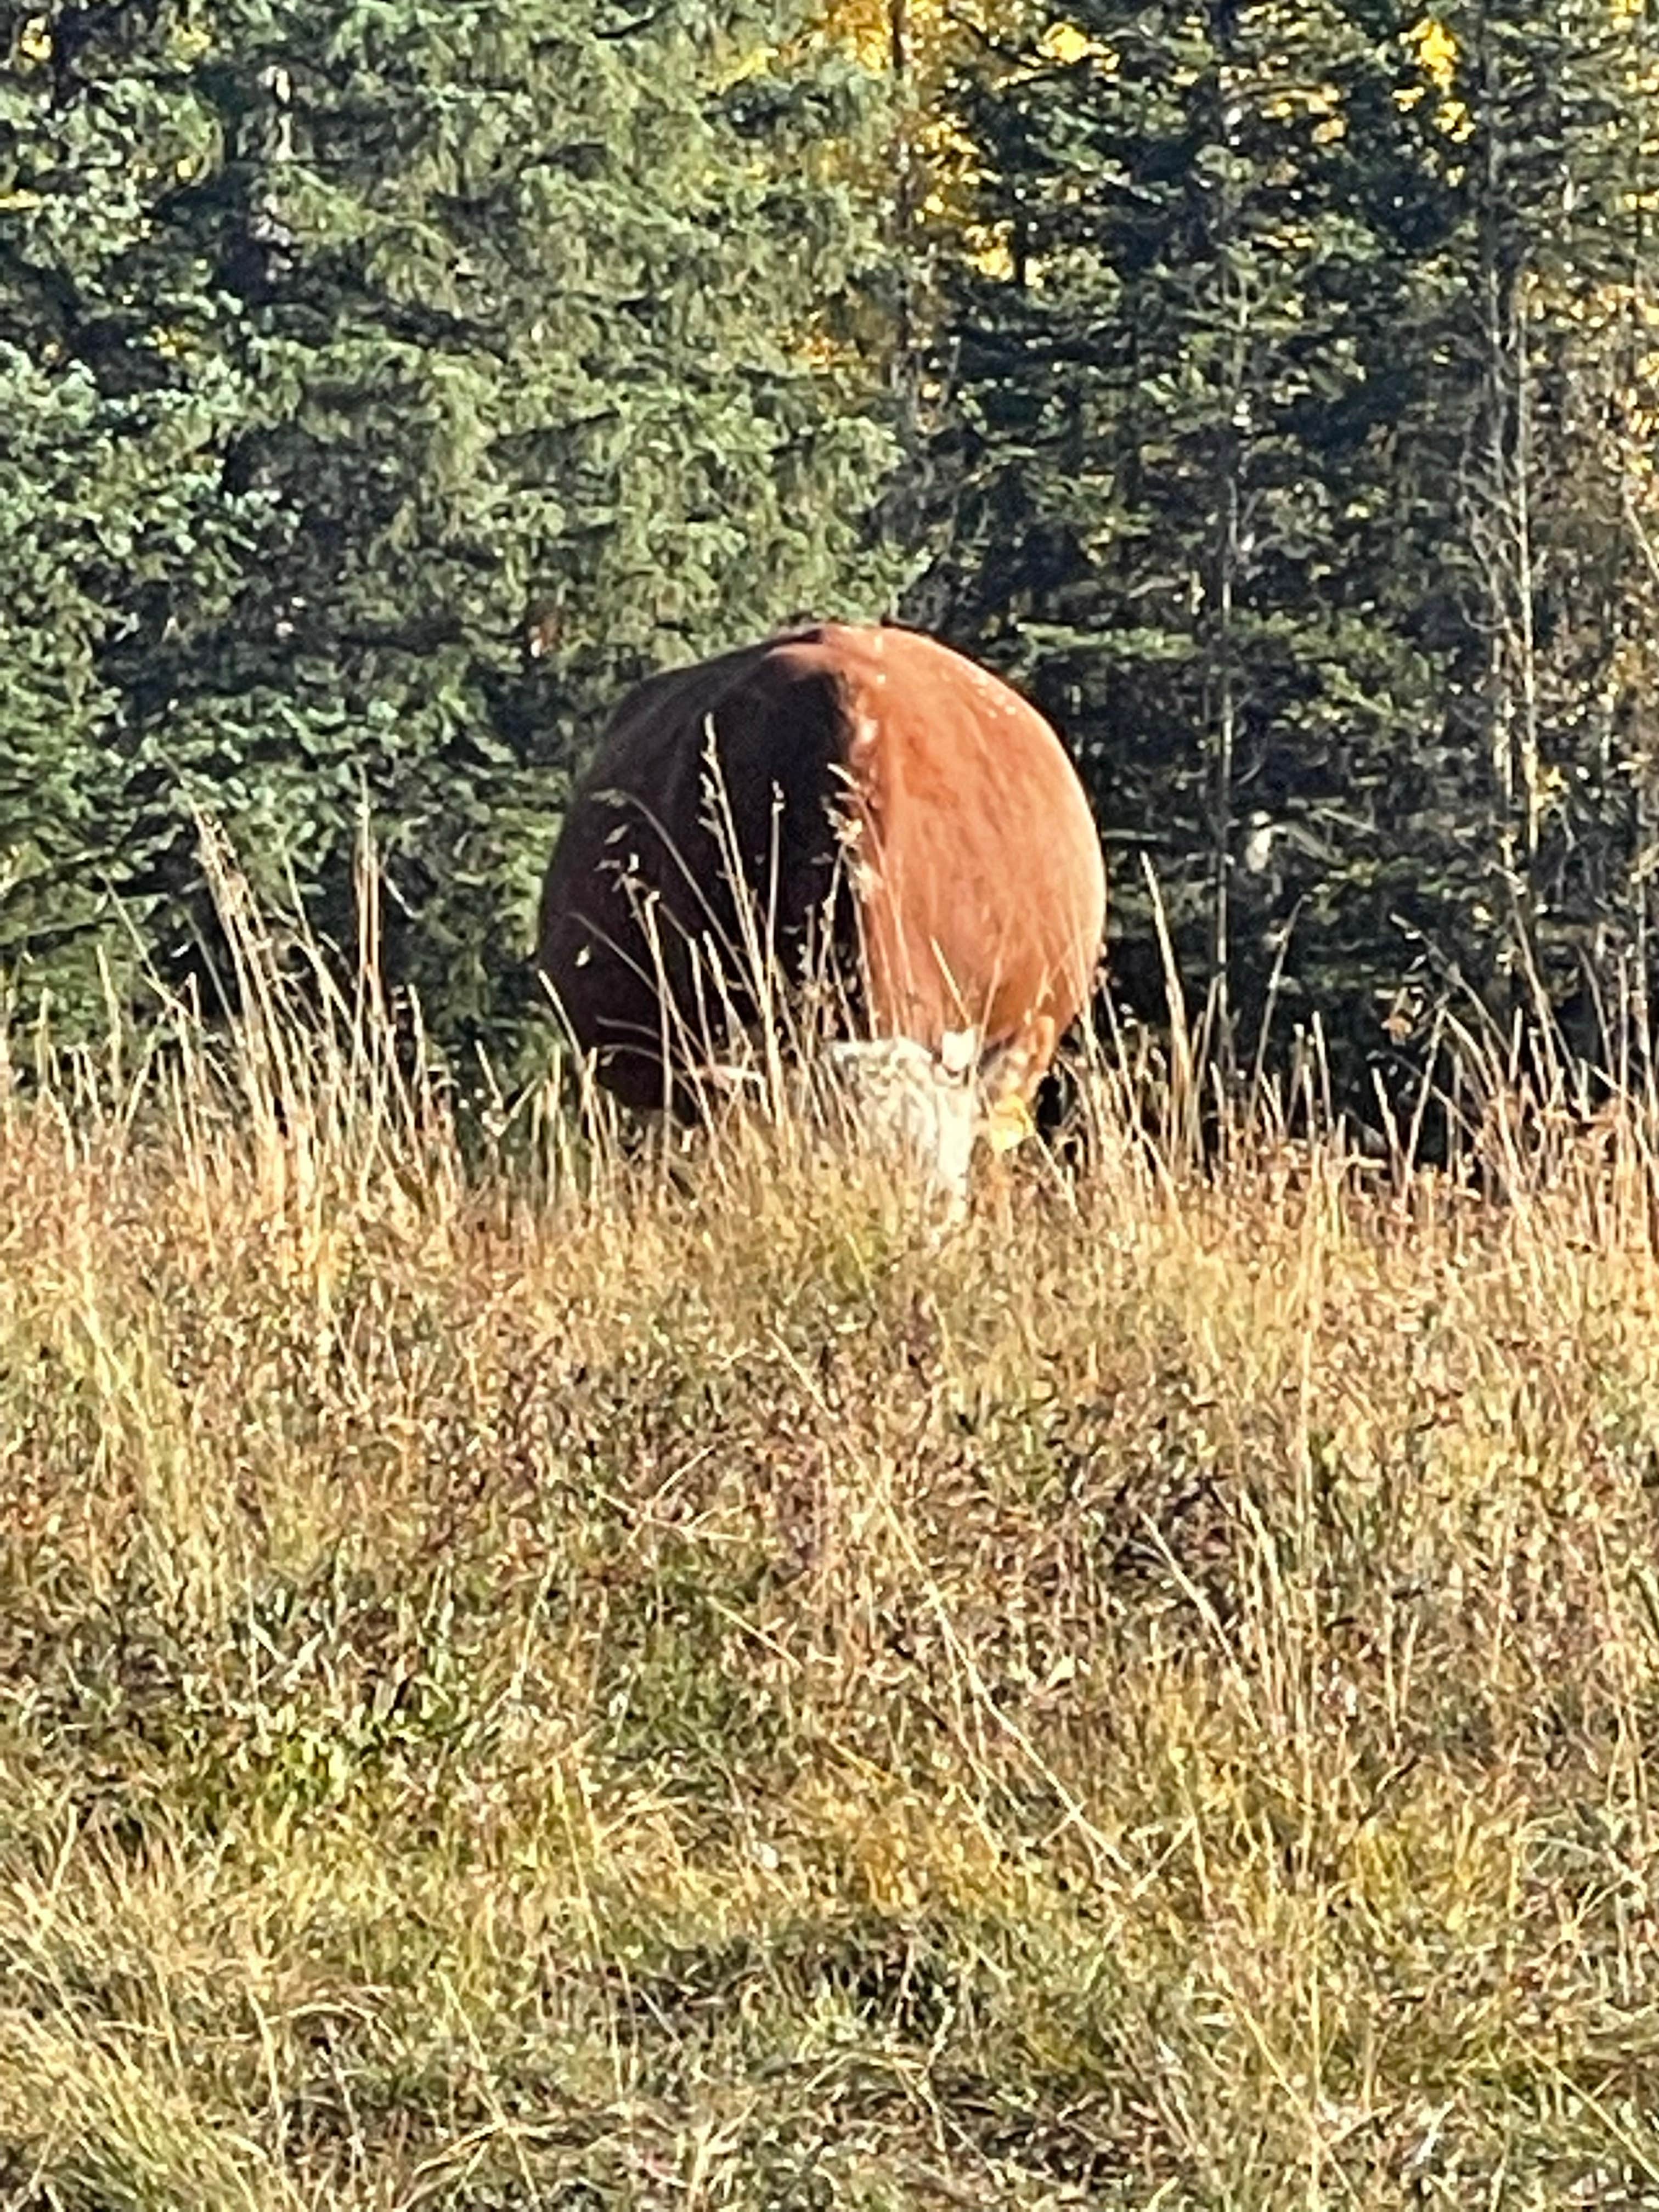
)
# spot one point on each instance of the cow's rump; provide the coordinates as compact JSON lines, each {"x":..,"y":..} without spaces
{"x":884,"y":799}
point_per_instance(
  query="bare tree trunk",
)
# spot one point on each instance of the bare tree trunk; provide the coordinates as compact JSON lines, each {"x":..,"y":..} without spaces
{"x":1222,"y":678}
{"x":1526,"y":590}
{"x":1637,"y":343}
{"x":1503,"y":537}
{"x":1493,"y":494}
{"x":1226,"y":748}
{"x":904,"y":201}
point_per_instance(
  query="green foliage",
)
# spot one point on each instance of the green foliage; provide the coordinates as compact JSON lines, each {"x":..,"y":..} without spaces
{"x":384,"y":388}
{"x":389,"y":386}
{"x":1254,"y":478}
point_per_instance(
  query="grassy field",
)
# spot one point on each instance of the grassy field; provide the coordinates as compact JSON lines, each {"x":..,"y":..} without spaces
{"x":586,"y":1688}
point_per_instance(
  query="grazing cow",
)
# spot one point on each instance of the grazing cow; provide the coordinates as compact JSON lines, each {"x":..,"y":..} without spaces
{"x":880,"y":796}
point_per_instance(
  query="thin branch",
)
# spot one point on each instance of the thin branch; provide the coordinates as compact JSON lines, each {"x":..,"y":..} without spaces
{"x":1639,"y":531}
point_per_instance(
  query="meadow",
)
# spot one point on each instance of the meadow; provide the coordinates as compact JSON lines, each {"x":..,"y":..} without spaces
{"x":532,"y":1676}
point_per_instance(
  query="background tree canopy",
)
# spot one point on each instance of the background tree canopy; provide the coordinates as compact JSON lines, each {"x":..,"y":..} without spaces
{"x":385,"y":385}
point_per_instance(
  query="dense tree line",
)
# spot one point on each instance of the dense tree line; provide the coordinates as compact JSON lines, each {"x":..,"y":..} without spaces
{"x":1301,"y":436}
{"x":384,"y":383}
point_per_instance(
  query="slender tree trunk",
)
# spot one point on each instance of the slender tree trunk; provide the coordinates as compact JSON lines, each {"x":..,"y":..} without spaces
{"x":904,"y":205}
{"x":1637,"y":343}
{"x":1223,"y":677}
{"x":1227,"y":746}
{"x":1493,"y":494}
{"x":1504,"y":536}
{"x":1526,"y":592}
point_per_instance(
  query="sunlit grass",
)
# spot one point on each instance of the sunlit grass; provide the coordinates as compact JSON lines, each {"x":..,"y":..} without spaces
{"x":556,"y":1682}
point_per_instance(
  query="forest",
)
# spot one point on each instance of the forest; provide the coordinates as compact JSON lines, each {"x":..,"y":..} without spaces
{"x":386,"y":385}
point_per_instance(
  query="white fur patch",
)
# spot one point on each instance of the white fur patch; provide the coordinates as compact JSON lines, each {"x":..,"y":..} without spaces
{"x":958,"y":1051}
{"x":924,"y":1110}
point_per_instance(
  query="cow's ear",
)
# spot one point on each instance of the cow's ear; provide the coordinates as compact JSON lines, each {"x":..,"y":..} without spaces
{"x":1008,"y":1123}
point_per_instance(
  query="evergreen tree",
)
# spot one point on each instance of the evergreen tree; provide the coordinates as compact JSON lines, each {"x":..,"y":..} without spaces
{"x":1170,"y":453}
{"x":1545,"y":373}
{"x":490,"y":354}
{"x":114,"y":419}
{"x":1225,"y":413}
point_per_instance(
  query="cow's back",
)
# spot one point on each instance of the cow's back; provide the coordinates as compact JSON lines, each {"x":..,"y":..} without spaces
{"x":978,"y":889}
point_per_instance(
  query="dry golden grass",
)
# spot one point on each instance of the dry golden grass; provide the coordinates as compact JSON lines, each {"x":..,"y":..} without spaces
{"x":552,"y":1683}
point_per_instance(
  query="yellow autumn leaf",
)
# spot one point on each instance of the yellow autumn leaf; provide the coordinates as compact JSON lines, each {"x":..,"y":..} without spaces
{"x":1435,"y":51}
{"x":1064,"y":42}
